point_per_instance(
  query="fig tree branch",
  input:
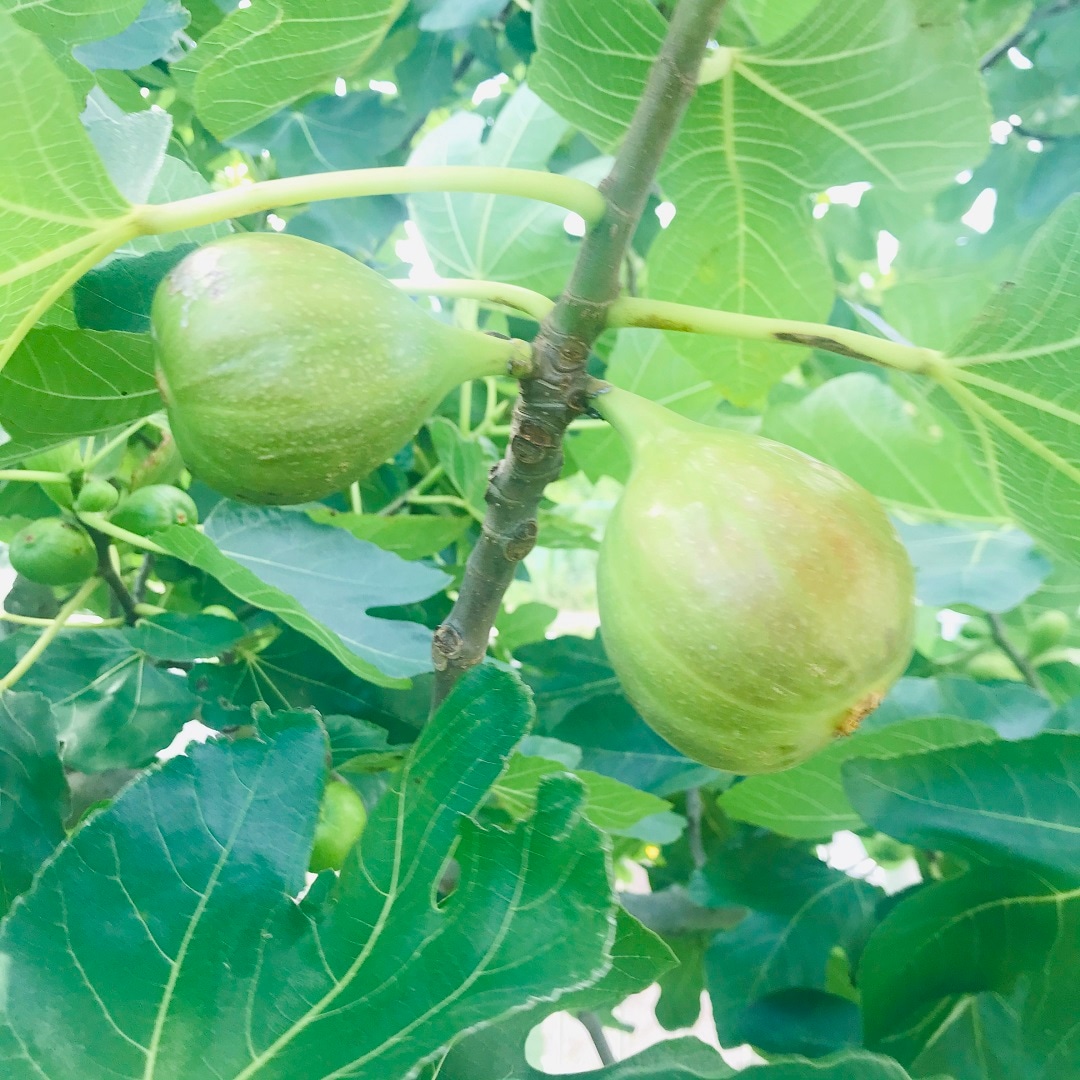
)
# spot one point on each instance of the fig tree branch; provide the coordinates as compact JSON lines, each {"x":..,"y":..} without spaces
{"x":557,"y":393}
{"x":574,"y":195}
{"x":1001,"y":639}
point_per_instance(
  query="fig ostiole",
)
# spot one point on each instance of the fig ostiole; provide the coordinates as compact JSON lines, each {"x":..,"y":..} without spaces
{"x":290,"y":370}
{"x":53,"y":551}
{"x":754,"y":602}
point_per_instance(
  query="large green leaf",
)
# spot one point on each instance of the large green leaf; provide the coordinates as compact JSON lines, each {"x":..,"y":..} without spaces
{"x":483,"y":236}
{"x":821,"y":106}
{"x":320,"y":581}
{"x":1010,"y":811}
{"x":33,"y":792}
{"x":190,"y":876}
{"x":809,"y":801}
{"x":1010,"y":384}
{"x":59,"y":211}
{"x":267,"y":55}
{"x":77,"y":382}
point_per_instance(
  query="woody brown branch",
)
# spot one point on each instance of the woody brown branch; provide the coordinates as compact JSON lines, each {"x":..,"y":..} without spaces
{"x":557,"y":393}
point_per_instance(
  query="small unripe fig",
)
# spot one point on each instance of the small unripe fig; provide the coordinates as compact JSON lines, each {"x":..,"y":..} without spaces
{"x":342,"y":818}
{"x":53,"y":552}
{"x":1047,"y":630}
{"x":755,"y":603}
{"x":154,"y":507}
{"x":290,"y":369}
{"x":96,"y":496}
{"x":992,"y":666}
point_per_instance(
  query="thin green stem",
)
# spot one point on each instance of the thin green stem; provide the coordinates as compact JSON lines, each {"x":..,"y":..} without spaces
{"x":565,"y":191}
{"x":432,"y":476}
{"x":356,"y":502}
{"x":446,"y":500}
{"x":664,"y":315}
{"x":30,"y":657}
{"x":33,"y":620}
{"x":112,"y":444}
{"x":533,"y":304}
{"x":34,"y":476}
{"x":103,"y":525}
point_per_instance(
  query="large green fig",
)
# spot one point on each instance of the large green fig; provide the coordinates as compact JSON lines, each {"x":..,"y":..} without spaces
{"x":290,"y":369}
{"x":754,"y":602}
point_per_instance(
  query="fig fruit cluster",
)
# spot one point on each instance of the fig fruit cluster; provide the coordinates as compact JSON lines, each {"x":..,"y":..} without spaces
{"x":755,"y":603}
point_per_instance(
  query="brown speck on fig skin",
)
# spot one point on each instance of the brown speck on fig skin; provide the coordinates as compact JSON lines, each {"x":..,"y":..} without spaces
{"x":851,"y":720}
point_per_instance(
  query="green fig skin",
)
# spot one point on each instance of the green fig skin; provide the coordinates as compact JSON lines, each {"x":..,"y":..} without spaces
{"x":53,"y":552}
{"x":96,"y":496}
{"x":754,"y":602}
{"x":290,"y":370}
{"x":342,"y":817}
{"x":156,"y":506}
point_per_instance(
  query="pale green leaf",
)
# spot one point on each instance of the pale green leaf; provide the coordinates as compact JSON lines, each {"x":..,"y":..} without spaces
{"x":901,"y":450}
{"x":77,"y":382}
{"x":519,"y":241}
{"x":1011,"y":384}
{"x":59,"y":211}
{"x":265,"y":56}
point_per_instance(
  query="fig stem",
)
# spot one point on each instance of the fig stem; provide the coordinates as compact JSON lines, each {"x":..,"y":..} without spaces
{"x":112,"y":444}
{"x":490,"y":292}
{"x":30,"y":657}
{"x":103,"y":525}
{"x":565,"y":191}
{"x":557,"y":394}
{"x":665,"y":315}
{"x":33,"y":620}
{"x":1002,"y":640}
{"x":34,"y":476}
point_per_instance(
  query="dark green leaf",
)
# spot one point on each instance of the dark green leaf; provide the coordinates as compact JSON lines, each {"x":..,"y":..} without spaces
{"x":33,"y":792}
{"x":114,"y":708}
{"x":185,"y":637}
{"x":196,"y":866}
{"x":799,"y":911}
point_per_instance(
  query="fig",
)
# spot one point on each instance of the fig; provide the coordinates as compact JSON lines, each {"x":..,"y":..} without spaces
{"x":342,"y":818}
{"x":290,"y":370}
{"x":154,"y":507}
{"x":1048,"y":630}
{"x":53,"y":552}
{"x":754,"y":602}
{"x":96,"y":496}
